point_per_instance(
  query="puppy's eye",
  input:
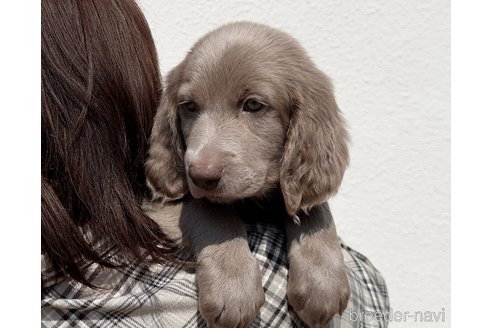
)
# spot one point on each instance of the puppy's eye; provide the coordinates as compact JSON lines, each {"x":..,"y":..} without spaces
{"x":253,"y":105}
{"x":189,"y":106}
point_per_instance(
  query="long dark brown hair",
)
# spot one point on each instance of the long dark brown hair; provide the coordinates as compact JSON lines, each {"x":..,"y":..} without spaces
{"x":100,"y":88}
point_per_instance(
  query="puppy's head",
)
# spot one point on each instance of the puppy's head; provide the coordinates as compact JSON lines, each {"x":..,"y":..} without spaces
{"x":247,"y":111}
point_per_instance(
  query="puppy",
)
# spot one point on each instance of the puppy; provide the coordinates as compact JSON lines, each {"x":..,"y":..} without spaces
{"x":247,"y":119}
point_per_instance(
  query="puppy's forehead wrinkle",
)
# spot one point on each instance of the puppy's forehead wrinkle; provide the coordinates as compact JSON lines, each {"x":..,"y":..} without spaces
{"x":232,"y":72}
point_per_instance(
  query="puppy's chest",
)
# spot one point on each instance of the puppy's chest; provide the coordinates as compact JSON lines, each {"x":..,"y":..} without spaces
{"x":252,"y":212}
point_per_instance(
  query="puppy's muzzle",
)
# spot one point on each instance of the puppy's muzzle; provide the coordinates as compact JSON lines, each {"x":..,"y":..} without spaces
{"x":205,"y":174}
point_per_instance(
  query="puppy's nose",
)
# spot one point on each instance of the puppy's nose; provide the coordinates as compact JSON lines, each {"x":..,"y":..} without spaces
{"x":205,"y":175}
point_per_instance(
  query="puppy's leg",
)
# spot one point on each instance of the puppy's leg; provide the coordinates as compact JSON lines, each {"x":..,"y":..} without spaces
{"x":167,"y":216}
{"x":230,"y":293}
{"x":318,"y":287}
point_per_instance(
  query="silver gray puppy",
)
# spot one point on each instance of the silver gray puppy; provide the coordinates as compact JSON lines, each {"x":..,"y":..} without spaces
{"x":248,"y":116}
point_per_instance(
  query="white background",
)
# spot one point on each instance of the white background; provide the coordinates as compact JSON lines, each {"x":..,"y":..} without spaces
{"x":390,"y":64}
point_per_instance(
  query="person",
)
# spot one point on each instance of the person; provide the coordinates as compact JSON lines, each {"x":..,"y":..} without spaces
{"x":104,"y":261}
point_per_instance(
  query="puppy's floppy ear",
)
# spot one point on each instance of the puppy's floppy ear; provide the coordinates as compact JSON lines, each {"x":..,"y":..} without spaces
{"x":316,"y":150}
{"x":165,"y":164}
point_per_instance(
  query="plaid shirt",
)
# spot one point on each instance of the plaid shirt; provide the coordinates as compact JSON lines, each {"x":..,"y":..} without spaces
{"x":164,"y":296}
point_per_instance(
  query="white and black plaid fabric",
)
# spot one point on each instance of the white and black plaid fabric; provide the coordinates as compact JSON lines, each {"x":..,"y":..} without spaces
{"x":164,"y":296}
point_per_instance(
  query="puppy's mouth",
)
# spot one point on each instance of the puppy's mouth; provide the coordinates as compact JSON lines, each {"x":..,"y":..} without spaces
{"x":224,"y":193}
{"x":215,"y":195}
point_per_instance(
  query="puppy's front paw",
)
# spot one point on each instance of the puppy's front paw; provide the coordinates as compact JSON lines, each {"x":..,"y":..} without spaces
{"x":230,"y":293}
{"x":317,"y":289}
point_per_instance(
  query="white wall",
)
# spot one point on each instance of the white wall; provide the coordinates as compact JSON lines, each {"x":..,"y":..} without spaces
{"x":390,"y":64}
